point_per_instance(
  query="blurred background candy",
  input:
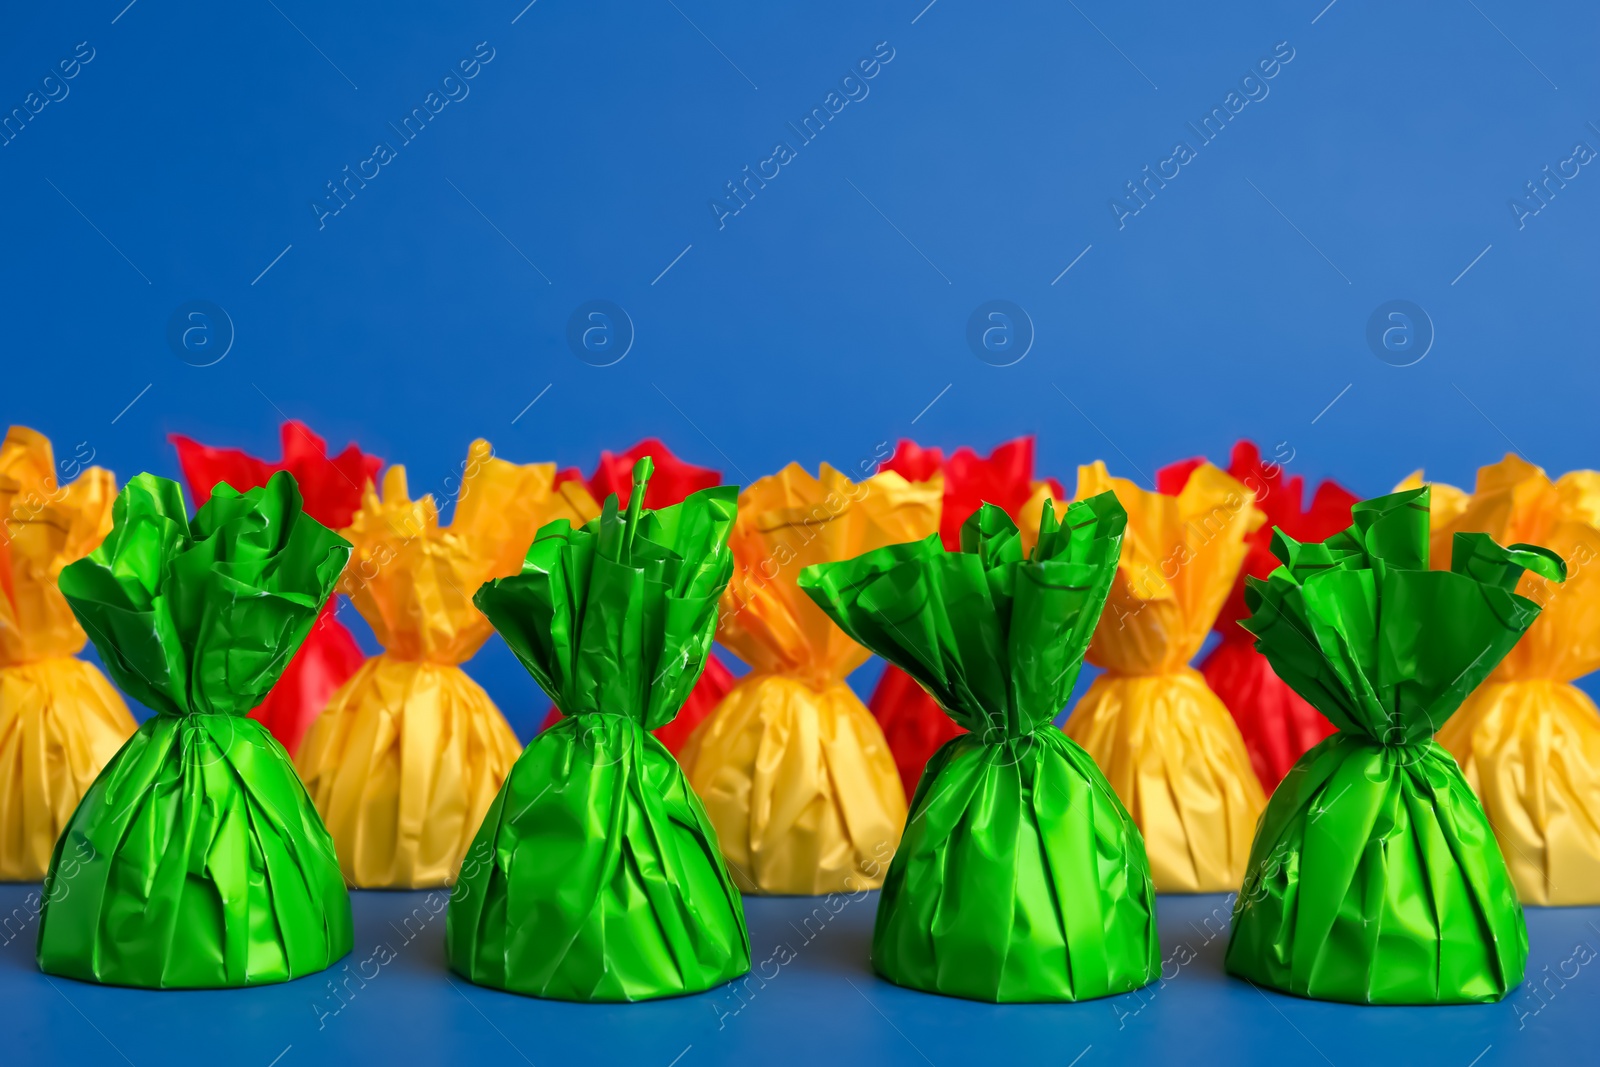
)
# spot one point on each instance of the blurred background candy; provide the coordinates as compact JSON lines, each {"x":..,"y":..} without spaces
{"x":60,"y":720}
{"x":913,"y":723}
{"x":408,"y":753}
{"x":331,"y":488}
{"x":672,"y":481}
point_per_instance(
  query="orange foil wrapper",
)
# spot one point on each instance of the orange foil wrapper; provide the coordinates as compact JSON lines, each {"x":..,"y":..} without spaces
{"x":410,"y":752}
{"x":792,"y":768}
{"x":331,"y":488}
{"x":1165,"y":740}
{"x":912,"y":721}
{"x":672,"y":480}
{"x":60,"y":720}
{"x":1278,"y":726}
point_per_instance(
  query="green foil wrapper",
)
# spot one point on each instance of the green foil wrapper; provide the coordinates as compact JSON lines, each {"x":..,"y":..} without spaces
{"x":1020,"y":877}
{"x":196,"y":859}
{"x":1374,"y":877}
{"x":596,"y":875}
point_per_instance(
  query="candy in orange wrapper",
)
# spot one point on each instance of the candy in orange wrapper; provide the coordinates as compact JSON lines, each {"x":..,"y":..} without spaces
{"x":1527,"y":739}
{"x":793,"y":769}
{"x":409,"y":752}
{"x":1164,"y":739}
{"x":672,"y":481}
{"x":331,"y":487}
{"x":1448,"y":501}
{"x":60,"y":720}
{"x":1277,"y":724}
{"x":913,"y":723}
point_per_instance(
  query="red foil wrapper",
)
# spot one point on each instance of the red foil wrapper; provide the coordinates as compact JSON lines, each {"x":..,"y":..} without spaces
{"x":672,"y":481}
{"x":331,"y":487}
{"x":1278,"y":726}
{"x":912,"y":721}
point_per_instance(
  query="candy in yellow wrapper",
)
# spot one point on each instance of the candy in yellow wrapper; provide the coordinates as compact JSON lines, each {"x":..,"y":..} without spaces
{"x":1527,"y":739}
{"x":409,"y":753}
{"x":60,"y":720}
{"x":1044,"y":495}
{"x":793,"y":769}
{"x":1167,"y":743}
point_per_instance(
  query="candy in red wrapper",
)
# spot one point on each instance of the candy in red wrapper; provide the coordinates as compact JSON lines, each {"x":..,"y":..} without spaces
{"x":906,"y":713}
{"x":1278,"y":726}
{"x":672,"y":481}
{"x":331,"y":487}
{"x":912,"y":722}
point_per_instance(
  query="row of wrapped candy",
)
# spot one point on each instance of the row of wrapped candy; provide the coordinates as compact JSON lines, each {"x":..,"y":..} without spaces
{"x":793,"y":774}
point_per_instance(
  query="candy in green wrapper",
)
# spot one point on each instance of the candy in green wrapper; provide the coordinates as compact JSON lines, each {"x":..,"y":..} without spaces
{"x":196,"y":859}
{"x":596,"y":874}
{"x":1374,"y":877}
{"x":1020,"y":877}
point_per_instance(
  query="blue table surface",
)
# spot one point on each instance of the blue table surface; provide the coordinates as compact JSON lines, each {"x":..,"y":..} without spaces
{"x":824,"y":1007}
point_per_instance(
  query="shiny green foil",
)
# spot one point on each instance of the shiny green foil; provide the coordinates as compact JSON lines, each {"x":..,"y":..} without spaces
{"x":1020,"y":877}
{"x":196,"y":859}
{"x":1374,"y":877}
{"x":596,"y":874}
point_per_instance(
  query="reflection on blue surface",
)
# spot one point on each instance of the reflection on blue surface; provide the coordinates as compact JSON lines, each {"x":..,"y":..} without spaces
{"x":812,"y":999}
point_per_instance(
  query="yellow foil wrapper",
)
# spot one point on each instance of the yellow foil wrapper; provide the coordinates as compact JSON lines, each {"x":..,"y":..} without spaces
{"x":1166,"y":742}
{"x":60,"y":720}
{"x":409,"y":753}
{"x":1527,"y":739}
{"x":1032,"y":512}
{"x":792,"y":767}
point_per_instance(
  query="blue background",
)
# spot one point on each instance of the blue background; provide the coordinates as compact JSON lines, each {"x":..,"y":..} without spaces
{"x":830,"y":314}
